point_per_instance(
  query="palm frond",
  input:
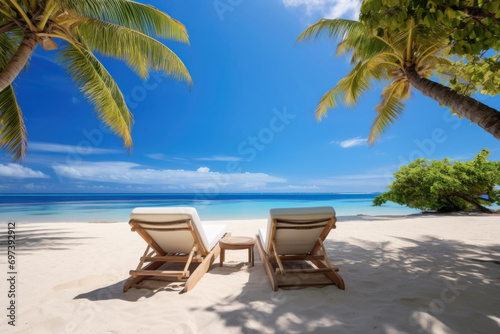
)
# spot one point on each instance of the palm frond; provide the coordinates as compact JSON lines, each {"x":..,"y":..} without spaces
{"x":355,"y":84}
{"x":8,"y":47}
{"x":329,"y":100}
{"x":366,"y":46}
{"x":359,"y":80}
{"x":337,"y":29}
{"x":13,"y":137}
{"x":140,"y":51}
{"x":133,"y":15}
{"x":389,"y":110}
{"x":100,"y":88}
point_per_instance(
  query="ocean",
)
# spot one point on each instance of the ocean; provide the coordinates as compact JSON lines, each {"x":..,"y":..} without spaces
{"x":117,"y":207}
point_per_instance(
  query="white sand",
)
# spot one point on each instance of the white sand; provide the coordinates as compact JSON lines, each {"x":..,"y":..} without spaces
{"x":403,"y":275}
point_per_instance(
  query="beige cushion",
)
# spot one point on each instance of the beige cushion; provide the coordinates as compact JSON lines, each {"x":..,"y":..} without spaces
{"x":290,"y":241}
{"x":177,"y":241}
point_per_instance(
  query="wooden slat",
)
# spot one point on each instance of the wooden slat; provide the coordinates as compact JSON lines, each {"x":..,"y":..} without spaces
{"x":299,"y":227}
{"x":334,"y":276}
{"x":324,"y":234}
{"x":276,"y":256}
{"x":306,"y":285}
{"x":267,"y":265}
{"x":300,"y":257}
{"x":308,"y":271}
{"x":143,"y":257}
{"x":136,"y":279}
{"x":188,"y":262}
{"x":167,"y":223}
{"x":301,"y":222}
{"x":156,"y":273}
{"x":202,"y":268}
{"x":167,"y":229}
{"x":172,"y":259}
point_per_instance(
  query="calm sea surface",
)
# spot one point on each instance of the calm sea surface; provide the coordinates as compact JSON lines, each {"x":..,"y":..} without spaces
{"x":117,"y":207}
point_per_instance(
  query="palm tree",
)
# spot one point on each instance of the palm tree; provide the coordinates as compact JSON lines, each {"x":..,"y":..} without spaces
{"x":405,"y":59}
{"x":121,"y":29}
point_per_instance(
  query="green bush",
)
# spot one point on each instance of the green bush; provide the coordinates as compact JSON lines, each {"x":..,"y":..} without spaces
{"x":444,"y":186}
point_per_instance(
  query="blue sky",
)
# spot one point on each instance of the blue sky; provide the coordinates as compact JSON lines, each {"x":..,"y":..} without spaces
{"x":246,"y":126}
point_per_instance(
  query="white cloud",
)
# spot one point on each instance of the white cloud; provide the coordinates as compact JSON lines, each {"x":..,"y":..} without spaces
{"x":220,"y":158}
{"x":18,"y":171}
{"x":328,"y":8}
{"x":131,"y":173}
{"x":358,"y":141}
{"x":203,"y":170}
{"x":86,"y":149}
{"x":164,"y":157}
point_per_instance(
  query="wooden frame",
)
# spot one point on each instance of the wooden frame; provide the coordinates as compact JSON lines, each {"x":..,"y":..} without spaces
{"x":317,"y":257}
{"x":157,"y":257}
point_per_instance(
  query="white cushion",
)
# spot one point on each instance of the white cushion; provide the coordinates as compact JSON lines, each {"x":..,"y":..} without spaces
{"x":291,"y":241}
{"x":263,"y":236}
{"x":177,"y":241}
{"x":214,"y":233}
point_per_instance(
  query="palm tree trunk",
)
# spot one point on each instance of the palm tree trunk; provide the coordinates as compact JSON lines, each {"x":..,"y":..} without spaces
{"x":18,"y":61}
{"x":465,"y":106}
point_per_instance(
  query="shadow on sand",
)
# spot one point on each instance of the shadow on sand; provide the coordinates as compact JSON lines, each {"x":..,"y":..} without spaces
{"x":32,"y":239}
{"x":428,"y":285}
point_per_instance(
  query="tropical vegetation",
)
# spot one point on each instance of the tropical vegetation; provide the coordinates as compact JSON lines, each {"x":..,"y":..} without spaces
{"x":444,"y":186}
{"x":120,"y":29}
{"x":388,"y":44}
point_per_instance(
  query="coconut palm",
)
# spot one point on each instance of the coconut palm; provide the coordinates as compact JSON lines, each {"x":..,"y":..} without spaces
{"x":121,"y":29}
{"x":403,"y":58}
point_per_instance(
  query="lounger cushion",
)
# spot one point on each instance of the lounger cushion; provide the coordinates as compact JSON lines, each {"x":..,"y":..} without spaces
{"x":291,"y":241}
{"x":177,"y":241}
{"x":214,"y":233}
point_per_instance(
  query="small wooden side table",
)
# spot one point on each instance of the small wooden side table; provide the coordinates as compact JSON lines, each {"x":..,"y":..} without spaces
{"x":237,"y":243}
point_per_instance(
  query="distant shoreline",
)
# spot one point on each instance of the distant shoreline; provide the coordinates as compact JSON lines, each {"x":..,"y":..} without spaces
{"x":55,"y":208}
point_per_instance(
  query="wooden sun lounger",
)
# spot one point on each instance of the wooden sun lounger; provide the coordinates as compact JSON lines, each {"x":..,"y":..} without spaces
{"x":316,"y":258}
{"x":155,"y":256}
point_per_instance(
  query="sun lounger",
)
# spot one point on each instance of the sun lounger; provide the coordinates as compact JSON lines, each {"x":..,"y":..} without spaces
{"x":297,"y":234}
{"x":174,"y":235}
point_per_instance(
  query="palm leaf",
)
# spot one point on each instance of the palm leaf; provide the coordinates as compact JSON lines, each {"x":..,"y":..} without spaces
{"x":100,"y":88}
{"x":133,"y":15}
{"x":140,"y":51}
{"x":13,"y":137}
{"x":8,"y":47}
{"x":389,"y":110}
{"x":353,"y":86}
{"x":329,"y":100}
{"x":337,"y":29}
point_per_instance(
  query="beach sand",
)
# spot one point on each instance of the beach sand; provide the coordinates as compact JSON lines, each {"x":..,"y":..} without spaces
{"x":412,"y":274}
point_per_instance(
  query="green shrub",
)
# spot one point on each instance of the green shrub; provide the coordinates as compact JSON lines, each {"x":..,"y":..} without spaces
{"x":444,"y":186}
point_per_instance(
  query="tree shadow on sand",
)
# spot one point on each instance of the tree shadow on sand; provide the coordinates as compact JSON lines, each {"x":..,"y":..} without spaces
{"x":32,"y":239}
{"x":428,"y":286}
{"x":115,"y":291}
{"x":424,"y":285}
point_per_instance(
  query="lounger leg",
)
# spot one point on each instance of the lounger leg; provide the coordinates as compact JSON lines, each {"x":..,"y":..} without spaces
{"x":282,"y":270}
{"x":188,"y":263}
{"x":222,"y":257}
{"x":250,"y":255}
{"x":202,"y":268}
{"x":267,"y":265}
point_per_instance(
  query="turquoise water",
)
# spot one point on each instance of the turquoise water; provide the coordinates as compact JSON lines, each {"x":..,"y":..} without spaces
{"x":117,"y":207}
